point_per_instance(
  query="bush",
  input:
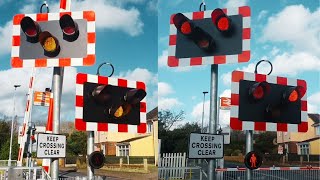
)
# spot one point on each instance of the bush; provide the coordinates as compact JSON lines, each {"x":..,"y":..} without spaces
{"x":236,"y":152}
{"x":132,"y":159}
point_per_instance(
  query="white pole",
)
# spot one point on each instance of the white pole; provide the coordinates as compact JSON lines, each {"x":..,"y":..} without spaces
{"x":13,"y":117}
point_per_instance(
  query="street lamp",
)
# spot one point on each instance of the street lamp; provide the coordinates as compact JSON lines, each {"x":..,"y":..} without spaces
{"x":14,"y":113}
{"x":204,"y":97}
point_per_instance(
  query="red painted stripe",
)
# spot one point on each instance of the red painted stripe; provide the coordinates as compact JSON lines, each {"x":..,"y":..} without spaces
{"x":89,"y":60}
{"x":219,"y":59}
{"x":63,"y":4}
{"x":27,"y":107}
{"x":19,"y":154}
{"x":17,"y":19}
{"x":89,"y":15}
{"x":303,"y":127}
{"x":50,"y":116}
{"x":260,"y":126}
{"x":102,"y":126}
{"x":195,"y":61}
{"x":235,"y":123}
{"x":42,"y":17}
{"x":282,"y":127}
{"x":79,"y":101}
{"x":122,"y":83}
{"x":81,"y":78}
{"x":142,"y":128}
{"x":15,"y":40}
{"x":46,"y":168}
{"x":172,"y":40}
{"x":171,"y":18}
{"x":237,"y":76}
{"x":246,"y":33}
{"x":198,"y":15}
{"x":80,"y":125}
{"x":141,"y":85}
{"x":225,"y":10}
{"x":91,"y":37}
{"x":23,"y":129}
{"x":282,"y":81}
{"x":260,"y":77}
{"x":285,"y":168}
{"x":102,"y":80}
{"x":16,"y":62}
{"x":244,"y":56}
{"x":304,"y":105}
{"x":245,"y":11}
{"x":173,"y":61}
{"x":235,"y":99}
{"x":41,"y":63}
{"x":122,"y":127}
{"x":64,"y":62}
{"x":302,"y":83}
{"x":31,"y":82}
{"x":63,"y":13}
{"x":143,"y":107}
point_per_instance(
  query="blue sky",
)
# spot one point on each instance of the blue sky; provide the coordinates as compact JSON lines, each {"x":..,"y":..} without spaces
{"x":285,"y":32}
{"x":126,"y":36}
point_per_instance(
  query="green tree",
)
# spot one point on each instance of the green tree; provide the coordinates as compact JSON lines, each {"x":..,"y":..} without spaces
{"x":77,"y":143}
{"x":5,"y":149}
{"x":264,"y":142}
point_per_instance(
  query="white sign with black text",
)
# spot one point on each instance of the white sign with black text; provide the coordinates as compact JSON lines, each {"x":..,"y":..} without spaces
{"x":51,"y":146}
{"x":205,"y":146}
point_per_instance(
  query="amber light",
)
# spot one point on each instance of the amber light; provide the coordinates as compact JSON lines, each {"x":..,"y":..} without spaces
{"x":122,"y":111}
{"x":293,"y":94}
{"x":49,"y":43}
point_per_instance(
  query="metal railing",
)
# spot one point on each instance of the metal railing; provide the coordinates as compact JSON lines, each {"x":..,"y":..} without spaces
{"x":5,"y":163}
{"x":272,"y":173}
{"x":22,"y":173}
{"x":190,"y":173}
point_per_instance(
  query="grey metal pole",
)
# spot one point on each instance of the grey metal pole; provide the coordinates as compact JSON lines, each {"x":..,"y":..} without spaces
{"x":249,"y":147}
{"x":90,"y":149}
{"x":13,"y":117}
{"x":204,"y":98}
{"x":56,"y":89}
{"x":213,"y":115}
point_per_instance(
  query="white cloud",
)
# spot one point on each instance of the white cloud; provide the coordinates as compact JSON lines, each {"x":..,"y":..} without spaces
{"x":233,"y":3}
{"x":226,"y":93}
{"x":262,"y":14}
{"x":162,"y":60}
{"x":5,"y":36}
{"x":164,"y":89}
{"x":314,"y":103}
{"x":168,"y":103}
{"x":297,"y":26}
{"x":226,"y":78}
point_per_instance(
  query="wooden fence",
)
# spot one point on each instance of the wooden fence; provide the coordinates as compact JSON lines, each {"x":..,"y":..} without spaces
{"x":173,"y":161}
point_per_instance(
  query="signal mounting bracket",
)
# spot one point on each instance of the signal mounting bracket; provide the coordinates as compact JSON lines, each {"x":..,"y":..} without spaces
{"x":256,"y":68}
{"x":98,"y":70}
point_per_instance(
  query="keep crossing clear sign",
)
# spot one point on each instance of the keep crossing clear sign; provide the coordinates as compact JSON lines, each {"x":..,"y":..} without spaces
{"x":51,"y":146}
{"x":205,"y":146}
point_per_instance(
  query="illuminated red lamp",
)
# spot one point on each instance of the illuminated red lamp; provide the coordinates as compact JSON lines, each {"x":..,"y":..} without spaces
{"x":31,"y":29}
{"x":221,"y":20}
{"x":293,"y":94}
{"x":69,"y":28}
{"x":259,"y":90}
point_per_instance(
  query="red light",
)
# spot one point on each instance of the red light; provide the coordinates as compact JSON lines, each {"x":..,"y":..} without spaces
{"x":203,"y":43}
{"x":258,"y":92}
{"x":293,"y":97}
{"x":31,"y":32}
{"x":223,"y":24}
{"x":186,"y":28}
{"x":69,"y":30}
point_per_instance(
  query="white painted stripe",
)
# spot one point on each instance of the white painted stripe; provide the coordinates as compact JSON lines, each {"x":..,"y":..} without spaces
{"x":131,"y":84}
{"x":304,"y":116}
{"x":247,"y":125}
{"x":91,"y":126}
{"x":246,"y":22}
{"x":249,"y":76}
{"x":292,"y":128}
{"x":79,"y":89}
{"x":271,"y":127}
{"x":207,"y":14}
{"x":132,"y":129}
{"x":29,"y":63}
{"x":234,"y":111}
{"x":271,"y":79}
{"x":76,"y":61}
{"x":92,"y":78}
{"x":79,"y":112}
{"x":77,"y":15}
{"x":184,"y":62}
{"x":291,"y":82}
{"x":91,"y":48}
{"x":173,"y":29}
{"x":15,"y":51}
{"x":112,"y":127}
{"x":113,"y":81}
{"x":231,"y":59}
{"x":16,"y":30}
{"x":32,"y":16}
{"x":245,"y":44}
{"x":143,"y":117}
{"x":235,"y":87}
{"x":91,"y":26}
{"x":207,"y":60}
{"x":188,"y":15}
{"x":53,"y":16}
{"x":52,"y":62}
{"x":172,"y":50}
{"x":232,"y":11}
{"x":304,"y":97}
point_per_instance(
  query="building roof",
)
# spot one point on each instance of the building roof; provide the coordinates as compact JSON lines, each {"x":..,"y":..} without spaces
{"x":309,"y":140}
{"x":153,"y":114}
{"x":315,"y":118}
{"x":133,"y":139}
